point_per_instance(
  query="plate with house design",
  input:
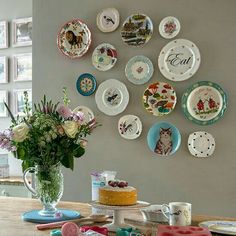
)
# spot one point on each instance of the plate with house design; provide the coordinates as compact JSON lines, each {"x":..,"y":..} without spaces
{"x":86,"y":84}
{"x":204,"y":102}
{"x":169,"y":27}
{"x":130,"y":126}
{"x":159,"y":98}
{"x":201,"y":144}
{"x":137,"y":30}
{"x":88,"y":114}
{"x":74,"y":39}
{"x":179,"y":60}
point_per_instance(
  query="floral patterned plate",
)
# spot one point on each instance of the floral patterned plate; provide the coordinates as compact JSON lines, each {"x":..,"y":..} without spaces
{"x":104,"y":57}
{"x":139,"y":70}
{"x":204,"y":102}
{"x":169,"y":27}
{"x":130,"y":126}
{"x":112,"y":97}
{"x":88,"y":114}
{"x":74,"y":39}
{"x":86,"y":84}
{"x":159,"y":98}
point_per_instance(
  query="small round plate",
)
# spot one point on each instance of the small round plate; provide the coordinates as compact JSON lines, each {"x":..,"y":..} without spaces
{"x":130,"y":126}
{"x":86,"y":84}
{"x":159,"y":98}
{"x":88,"y":114}
{"x":163,"y":138}
{"x":108,"y":20}
{"x":179,"y":60}
{"x":112,"y":97}
{"x":104,"y":57}
{"x":204,"y":102}
{"x":201,"y":144}
{"x":139,"y":70}
{"x":137,"y":30}
{"x":169,"y":27}
{"x":74,"y":39}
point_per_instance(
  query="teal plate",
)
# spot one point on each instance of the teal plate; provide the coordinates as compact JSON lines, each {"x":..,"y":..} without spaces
{"x":86,"y":84}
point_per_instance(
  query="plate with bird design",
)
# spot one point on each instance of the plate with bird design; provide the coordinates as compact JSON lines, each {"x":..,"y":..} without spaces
{"x":74,"y":39}
{"x":164,"y":139}
{"x":159,"y":98}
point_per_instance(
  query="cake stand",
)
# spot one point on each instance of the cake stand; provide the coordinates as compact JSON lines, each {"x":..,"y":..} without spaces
{"x":118,"y":218}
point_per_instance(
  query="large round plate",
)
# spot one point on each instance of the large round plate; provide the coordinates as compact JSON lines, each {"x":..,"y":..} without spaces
{"x":204,"y":102}
{"x":169,"y":27}
{"x":139,"y":70}
{"x":163,"y":138}
{"x":86,"y":84}
{"x":201,"y":144}
{"x":74,"y":39}
{"x":159,"y":98}
{"x":88,"y":114}
{"x":104,"y":57}
{"x":130,"y":127}
{"x":179,"y":60}
{"x":112,"y":97}
{"x":137,"y":30}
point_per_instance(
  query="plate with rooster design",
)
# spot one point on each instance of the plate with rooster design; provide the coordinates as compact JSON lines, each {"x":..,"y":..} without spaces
{"x":130,"y":127}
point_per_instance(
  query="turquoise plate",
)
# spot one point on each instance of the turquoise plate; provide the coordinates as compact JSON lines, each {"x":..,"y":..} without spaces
{"x":86,"y":84}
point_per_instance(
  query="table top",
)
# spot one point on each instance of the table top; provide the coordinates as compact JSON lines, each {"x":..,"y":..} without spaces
{"x":12,"y":224}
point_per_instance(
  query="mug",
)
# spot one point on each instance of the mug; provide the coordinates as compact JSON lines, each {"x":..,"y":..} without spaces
{"x":179,"y":213}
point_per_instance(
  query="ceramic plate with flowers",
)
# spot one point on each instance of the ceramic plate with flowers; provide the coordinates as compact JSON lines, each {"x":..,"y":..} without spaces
{"x":86,"y":84}
{"x":169,"y":27}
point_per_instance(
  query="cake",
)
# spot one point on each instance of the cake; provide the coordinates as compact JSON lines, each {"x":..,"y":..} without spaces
{"x":117,"y":193}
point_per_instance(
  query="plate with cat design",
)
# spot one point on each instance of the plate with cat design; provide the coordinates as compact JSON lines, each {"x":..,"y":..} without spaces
{"x":164,"y":139}
{"x":86,"y":84}
{"x":159,"y":98}
{"x":169,"y":27}
{"x":130,"y":127}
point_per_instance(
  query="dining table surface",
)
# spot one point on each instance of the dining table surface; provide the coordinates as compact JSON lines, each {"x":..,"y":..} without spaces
{"x":11,"y":223}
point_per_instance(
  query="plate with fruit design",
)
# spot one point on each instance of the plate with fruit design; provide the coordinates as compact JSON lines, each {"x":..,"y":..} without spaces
{"x":169,"y":27}
{"x":86,"y":84}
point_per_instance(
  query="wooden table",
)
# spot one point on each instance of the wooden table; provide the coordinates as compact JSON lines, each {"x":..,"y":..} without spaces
{"x":11,"y":223}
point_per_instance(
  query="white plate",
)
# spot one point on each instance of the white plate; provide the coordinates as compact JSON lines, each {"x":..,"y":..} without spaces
{"x":179,"y":60}
{"x":130,"y":127}
{"x":169,"y":27}
{"x":88,"y":114}
{"x":112,"y":97}
{"x":201,"y":144}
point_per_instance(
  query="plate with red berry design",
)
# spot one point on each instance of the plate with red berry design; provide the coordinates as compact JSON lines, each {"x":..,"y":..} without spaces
{"x":169,"y":27}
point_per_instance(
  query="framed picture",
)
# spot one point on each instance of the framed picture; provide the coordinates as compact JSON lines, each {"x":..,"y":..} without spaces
{"x":3,"y":98}
{"x":22,"y":32}
{"x":18,"y":97}
{"x":22,"y":64}
{"x":3,"y":34}
{"x":3,"y":69}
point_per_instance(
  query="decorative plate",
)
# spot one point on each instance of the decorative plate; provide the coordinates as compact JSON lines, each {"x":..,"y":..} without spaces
{"x":130,"y":127}
{"x":104,"y":57}
{"x":201,"y":144}
{"x":179,"y":60}
{"x":86,"y":84}
{"x":112,"y":97}
{"x":139,"y":70}
{"x":163,"y":138}
{"x":169,"y":27}
{"x":159,"y":98}
{"x":88,"y":114}
{"x":137,"y":30}
{"x":108,"y":20}
{"x":74,"y":39}
{"x":204,"y":102}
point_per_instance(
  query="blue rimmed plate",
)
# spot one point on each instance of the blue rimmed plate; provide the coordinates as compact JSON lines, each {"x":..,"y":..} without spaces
{"x":163,"y":138}
{"x":86,"y":84}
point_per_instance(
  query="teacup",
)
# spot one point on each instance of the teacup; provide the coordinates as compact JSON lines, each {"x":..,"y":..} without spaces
{"x":153,"y":213}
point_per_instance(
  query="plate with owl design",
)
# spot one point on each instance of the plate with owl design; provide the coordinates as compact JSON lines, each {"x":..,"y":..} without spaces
{"x":74,"y":39}
{"x":139,"y":70}
{"x":112,"y":97}
{"x":159,"y":98}
{"x":169,"y":27}
{"x":130,"y":127}
{"x":88,"y":114}
{"x":204,"y":102}
{"x":201,"y":144}
{"x":164,"y":139}
{"x":86,"y":84}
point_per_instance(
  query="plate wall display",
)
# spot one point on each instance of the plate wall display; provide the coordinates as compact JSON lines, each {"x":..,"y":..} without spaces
{"x":179,"y":60}
{"x":204,"y":102}
{"x":112,"y":97}
{"x":108,"y":19}
{"x":163,"y":138}
{"x":130,"y":126}
{"x":74,"y":39}
{"x":169,"y":27}
{"x":88,"y":114}
{"x":201,"y":144}
{"x":159,"y":98}
{"x":139,"y":70}
{"x":137,"y":30}
{"x":86,"y":84}
{"x":104,"y":57}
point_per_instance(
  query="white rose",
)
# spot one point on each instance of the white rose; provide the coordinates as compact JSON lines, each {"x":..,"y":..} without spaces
{"x":71,"y":128}
{"x":20,"y":132}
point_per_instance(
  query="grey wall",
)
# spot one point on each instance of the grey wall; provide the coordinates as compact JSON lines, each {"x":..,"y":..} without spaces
{"x":209,"y":184}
